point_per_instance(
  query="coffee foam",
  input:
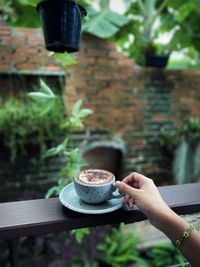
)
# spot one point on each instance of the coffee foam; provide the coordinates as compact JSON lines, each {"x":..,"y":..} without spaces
{"x":95,"y":176}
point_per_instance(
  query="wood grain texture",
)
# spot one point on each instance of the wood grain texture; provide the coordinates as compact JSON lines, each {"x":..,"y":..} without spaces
{"x":42,"y":216}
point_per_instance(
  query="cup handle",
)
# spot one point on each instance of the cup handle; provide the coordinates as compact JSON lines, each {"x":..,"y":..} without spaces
{"x":113,"y":195}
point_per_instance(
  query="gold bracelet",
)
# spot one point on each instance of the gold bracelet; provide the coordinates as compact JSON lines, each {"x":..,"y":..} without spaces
{"x":185,"y":235}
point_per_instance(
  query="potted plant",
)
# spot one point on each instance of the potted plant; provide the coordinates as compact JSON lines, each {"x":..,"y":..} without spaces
{"x":142,"y":36}
{"x":61,"y":21}
{"x":141,"y":32}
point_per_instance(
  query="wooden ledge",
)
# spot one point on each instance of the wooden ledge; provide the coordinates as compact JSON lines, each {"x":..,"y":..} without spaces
{"x":42,"y":216}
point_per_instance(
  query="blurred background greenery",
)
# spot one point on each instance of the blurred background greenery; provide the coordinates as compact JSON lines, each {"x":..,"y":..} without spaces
{"x":139,"y":27}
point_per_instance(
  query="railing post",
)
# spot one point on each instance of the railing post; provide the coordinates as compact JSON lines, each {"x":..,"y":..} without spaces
{"x":13,"y":252}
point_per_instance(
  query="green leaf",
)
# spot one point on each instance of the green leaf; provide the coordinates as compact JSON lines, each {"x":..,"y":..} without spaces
{"x":39,"y":96}
{"x":102,"y":247}
{"x":76,"y":108}
{"x":64,"y":59}
{"x":80,"y":234}
{"x":46,"y":89}
{"x":73,"y":123}
{"x":29,"y":2}
{"x":56,"y":150}
{"x":104,"y":4}
{"x":45,"y":97}
{"x":105,"y":23}
{"x":184,"y":10}
{"x":48,"y":107}
{"x":33,"y":2}
{"x":84,"y":113}
{"x":53,"y":190}
{"x":112,"y":248}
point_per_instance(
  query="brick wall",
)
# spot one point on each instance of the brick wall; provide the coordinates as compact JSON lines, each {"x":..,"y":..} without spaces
{"x":130,"y":103}
{"x":22,"y":51}
{"x":135,"y":104}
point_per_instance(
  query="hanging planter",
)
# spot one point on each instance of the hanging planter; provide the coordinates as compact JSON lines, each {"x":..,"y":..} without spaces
{"x":159,"y":61}
{"x":61,"y":21}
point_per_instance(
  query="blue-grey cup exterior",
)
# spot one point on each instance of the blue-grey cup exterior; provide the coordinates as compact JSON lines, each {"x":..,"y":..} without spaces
{"x":96,"y":193}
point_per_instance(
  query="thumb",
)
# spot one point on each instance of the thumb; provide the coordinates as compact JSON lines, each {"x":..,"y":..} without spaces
{"x":127,"y":189}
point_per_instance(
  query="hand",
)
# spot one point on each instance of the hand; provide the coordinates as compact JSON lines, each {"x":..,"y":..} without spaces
{"x":142,"y":192}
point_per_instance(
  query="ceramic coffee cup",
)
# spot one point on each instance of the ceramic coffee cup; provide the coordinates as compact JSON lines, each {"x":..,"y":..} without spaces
{"x":95,"y":186}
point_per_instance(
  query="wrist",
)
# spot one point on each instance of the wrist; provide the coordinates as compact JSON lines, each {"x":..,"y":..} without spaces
{"x":161,"y":217}
{"x":171,"y":224}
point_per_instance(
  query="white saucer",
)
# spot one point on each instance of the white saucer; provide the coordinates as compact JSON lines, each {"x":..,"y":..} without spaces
{"x":70,"y":200}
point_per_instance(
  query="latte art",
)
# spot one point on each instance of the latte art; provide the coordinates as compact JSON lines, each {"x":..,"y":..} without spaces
{"x":95,"y":177}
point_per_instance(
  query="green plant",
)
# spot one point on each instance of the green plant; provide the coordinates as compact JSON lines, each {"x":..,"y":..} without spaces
{"x":166,"y":255}
{"x":149,"y":20}
{"x":63,"y":59}
{"x":23,"y":13}
{"x":185,"y":142}
{"x":72,"y":156}
{"x":22,"y":128}
{"x":119,"y":248}
{"x":79,"y":235}
{"x":6,"y":10}
{"x":103,"y":23}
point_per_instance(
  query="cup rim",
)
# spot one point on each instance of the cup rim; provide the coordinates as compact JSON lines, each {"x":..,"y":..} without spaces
{"x":94,"y":185}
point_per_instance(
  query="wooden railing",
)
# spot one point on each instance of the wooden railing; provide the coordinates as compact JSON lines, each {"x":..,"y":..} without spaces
{"x":42,"y":216}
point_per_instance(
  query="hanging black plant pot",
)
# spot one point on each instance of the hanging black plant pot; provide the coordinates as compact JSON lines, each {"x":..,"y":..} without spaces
{"x":159,"y":61}
{"x":61,"y":21}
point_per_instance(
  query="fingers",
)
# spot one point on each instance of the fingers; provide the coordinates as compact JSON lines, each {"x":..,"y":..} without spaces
{"x":129,"y":179}
{"x":135,"y":179}
{"x":126,"y":198}
{"x":130,"y":203}
{"x":128,"y":190}
{"x":130,"y":186}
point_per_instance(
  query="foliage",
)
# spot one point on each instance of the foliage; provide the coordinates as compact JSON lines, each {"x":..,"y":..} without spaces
{"x":6,"y":10}
{"x":22,"y":126}
{"x":72,"y":156}
{"x":191,"y":130}
{"x":148,"y":20}
{"x":61,"y":249}
{"x":185,"y":142}
{"x":35,"y":2}
{"x":79,"y":235}
{"x":23,"y":12}
{"x":63,"y":59}
{"x":165,"y":255}
{"x":119,"y":248}
{"x":103,"y":23}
